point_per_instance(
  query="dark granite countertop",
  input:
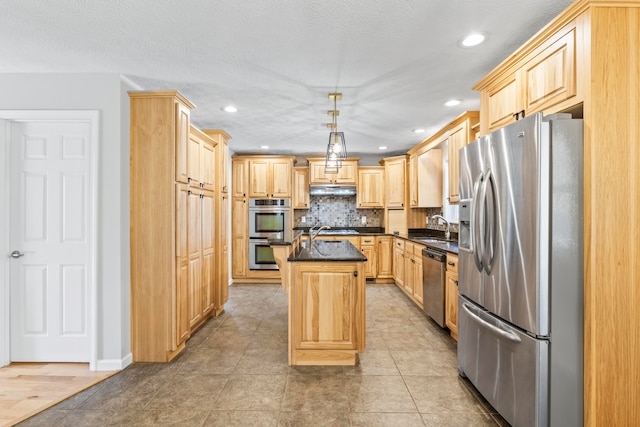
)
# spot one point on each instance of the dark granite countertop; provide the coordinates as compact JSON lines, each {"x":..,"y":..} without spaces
{"x":326,"y":250}
{"x":432,"y":238}
{"x":445,"y":245}
{"x":279,"y":241}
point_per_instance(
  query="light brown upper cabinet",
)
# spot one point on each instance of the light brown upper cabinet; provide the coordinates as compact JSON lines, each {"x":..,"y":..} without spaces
{"x":425,"y":179}
{"x":347,"y":174}
{"x":395,"y":181}
{"x":456,"y":134}
{"x":270,"y":177}
{"x":458,"y":138}
{"x":201,"y":160}
{"x":300,"y":188}
{"x":370,"y":187}
{"x":545,"y":80}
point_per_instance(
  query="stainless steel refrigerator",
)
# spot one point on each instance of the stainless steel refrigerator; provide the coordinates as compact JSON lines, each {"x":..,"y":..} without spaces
{"x":520,"y":308}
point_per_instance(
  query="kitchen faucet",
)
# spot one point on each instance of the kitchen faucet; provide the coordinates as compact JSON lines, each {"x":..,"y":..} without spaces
{"x":313,"y":235}
{"x":447,"y":234}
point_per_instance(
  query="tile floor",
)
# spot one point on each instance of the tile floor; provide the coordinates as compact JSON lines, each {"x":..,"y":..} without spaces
{"x":234,"y":372}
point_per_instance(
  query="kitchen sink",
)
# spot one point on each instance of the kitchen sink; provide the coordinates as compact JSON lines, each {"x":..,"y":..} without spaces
{"x":431,"y":240}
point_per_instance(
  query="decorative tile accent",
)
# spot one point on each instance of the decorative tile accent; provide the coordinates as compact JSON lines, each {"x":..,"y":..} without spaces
{"x":337,"y":212}
{"x":433,"y":223}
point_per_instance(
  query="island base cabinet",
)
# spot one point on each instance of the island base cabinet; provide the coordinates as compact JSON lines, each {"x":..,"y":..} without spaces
{"x":327,"y":313}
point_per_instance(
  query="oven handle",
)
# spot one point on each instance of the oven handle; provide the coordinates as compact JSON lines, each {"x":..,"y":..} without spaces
{"x":500,"y":332}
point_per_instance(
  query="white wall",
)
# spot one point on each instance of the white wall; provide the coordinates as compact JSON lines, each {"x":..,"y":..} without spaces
{"x":107,"y":94}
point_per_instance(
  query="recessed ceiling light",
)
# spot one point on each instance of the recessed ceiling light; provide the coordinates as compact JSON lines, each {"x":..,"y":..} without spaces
{"x":264,"y":147}
{"x":230,"y":109}
{"x":453,"y":102}
{"x":472,"y":40}
{"x":418,"y":131}
{"x":383,"y":147}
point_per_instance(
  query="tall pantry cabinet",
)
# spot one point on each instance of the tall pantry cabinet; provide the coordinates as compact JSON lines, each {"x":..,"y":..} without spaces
{"x":174,"y":259}
{"x":222,"y":204}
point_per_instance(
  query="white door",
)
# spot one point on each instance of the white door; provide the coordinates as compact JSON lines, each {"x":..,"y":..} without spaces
{"x":50,"y":220}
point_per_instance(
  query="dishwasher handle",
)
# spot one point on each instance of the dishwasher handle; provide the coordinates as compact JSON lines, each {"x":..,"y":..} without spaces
{"x":434,"y":255}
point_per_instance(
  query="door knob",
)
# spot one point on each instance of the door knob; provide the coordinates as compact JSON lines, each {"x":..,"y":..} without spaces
{"x":17,"y":254}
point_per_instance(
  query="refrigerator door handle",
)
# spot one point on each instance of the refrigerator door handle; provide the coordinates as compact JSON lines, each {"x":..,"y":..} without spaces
{"x":500,"y":332}
{"x":489,"y":254}
{"x":475,"y":240}
{"x":482,"y":221}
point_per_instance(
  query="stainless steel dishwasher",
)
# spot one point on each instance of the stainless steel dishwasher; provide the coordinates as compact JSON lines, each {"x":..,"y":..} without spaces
{"x":433,"y":283}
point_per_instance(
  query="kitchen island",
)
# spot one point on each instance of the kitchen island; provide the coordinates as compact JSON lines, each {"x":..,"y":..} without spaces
{"x":326,"y":287}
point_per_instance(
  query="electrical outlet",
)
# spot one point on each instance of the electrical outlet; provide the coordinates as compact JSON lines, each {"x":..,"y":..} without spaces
{"x":363,"y":219}
{"x":303,"y":219}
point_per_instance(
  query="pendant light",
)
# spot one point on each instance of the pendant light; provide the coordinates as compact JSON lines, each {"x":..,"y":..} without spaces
{"x":337,"y":148}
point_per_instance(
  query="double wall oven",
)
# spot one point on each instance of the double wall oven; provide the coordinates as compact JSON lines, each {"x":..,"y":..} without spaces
{"x":267,"y":218}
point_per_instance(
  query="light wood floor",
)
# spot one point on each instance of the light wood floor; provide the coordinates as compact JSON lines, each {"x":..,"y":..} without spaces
{"x":28,"y":388}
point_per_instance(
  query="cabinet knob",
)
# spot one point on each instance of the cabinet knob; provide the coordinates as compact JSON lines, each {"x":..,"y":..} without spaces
{"x":451,"y":263}
{"x":355,"y":273}
{"x":456,"y":282}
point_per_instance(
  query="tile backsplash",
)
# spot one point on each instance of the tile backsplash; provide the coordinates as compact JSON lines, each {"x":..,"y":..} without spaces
{"x":433,"y":224}
{"x":337,"y":212}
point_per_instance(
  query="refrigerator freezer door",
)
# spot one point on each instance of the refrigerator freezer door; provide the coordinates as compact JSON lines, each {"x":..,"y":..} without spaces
{"x":512,"y":224}
{"x":469,"y":257}
{"x":508,"y":367}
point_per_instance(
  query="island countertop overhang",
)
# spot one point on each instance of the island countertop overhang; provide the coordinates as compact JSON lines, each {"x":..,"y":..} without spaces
{"x":326,"y":251}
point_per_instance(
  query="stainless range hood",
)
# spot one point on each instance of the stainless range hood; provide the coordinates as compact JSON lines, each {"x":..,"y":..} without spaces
{"x":332,"y":190}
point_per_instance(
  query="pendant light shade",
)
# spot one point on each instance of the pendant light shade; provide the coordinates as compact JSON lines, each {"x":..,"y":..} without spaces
{"x":337,"y":148}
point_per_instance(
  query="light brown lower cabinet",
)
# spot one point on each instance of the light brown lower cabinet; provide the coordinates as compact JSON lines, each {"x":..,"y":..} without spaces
{"x":327,"y":323}
{"x":385,"y":257}
{"x":398,"y":262}
{"x":368,"y":246}
{"x":451,"y":298}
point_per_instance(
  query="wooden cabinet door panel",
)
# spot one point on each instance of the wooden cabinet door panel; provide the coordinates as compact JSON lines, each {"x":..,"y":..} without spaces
{"x":370,"y":188}
{"x":222,"y":285}
{"x":259,"y":178}
{"x":194,"y":243}
{"x":300,"y":188}
{"x":502,"y":102}
{"x":413,"y":181}
{"x":368,"y":249}
{"x":208,"y":252}
{"x":240,"y":178}
{"x":317,"y":175}
{"x":347,"y":174}
{"x":208,"y":168}
{"x":324,"y":311}
{"x":182,"y":142}
{"x":395,"y":183}
{"x":418,"y":293}
{"x":385,"y":257}
{"x":429,"y":174}
{"x":280,"y":176}
{"x":398,"y":267}
{"x":550,"y":77}
{"x":451,"y":303}
{"x":181,"y":329}
{"x":457,"y":139}
{"x":194,"y":160}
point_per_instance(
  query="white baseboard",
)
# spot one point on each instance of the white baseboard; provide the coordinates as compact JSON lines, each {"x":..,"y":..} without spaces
{"x":114,"y":364}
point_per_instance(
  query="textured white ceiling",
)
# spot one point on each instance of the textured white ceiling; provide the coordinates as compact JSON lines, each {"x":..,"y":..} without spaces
{"x":395,"y":61}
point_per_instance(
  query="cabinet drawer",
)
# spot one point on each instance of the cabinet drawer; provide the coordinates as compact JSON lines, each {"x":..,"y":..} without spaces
{"x":417,"y":250}
{"x":367,"y":240}
{"x":452,"y":263}
{"x":399,"y":244}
